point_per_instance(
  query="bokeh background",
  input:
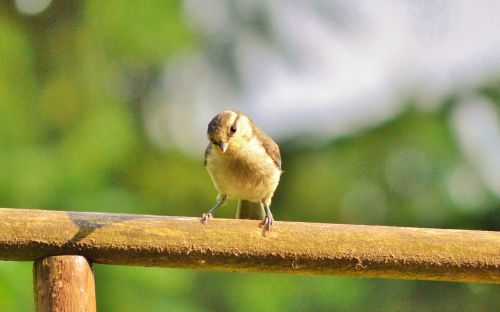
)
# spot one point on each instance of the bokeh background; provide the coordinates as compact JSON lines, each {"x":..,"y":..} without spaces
{"x":386,"y":112}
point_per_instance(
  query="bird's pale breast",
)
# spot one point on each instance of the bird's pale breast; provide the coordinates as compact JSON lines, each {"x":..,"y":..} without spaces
{"x":245,"y":172}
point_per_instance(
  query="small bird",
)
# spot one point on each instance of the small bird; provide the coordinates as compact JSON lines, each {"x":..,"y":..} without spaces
{"x":244,"y":164}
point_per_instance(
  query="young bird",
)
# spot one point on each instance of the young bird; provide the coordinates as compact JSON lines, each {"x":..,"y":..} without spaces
{"x":244,"y":163}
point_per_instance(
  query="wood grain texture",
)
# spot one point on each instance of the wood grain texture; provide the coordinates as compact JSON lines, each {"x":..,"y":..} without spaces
{"x":64,"y":284}
{"x":240,"y":245}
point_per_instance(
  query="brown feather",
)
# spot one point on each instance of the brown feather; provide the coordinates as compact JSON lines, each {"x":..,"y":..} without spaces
{"x":269,"y":145}
{"x":207,"y":151}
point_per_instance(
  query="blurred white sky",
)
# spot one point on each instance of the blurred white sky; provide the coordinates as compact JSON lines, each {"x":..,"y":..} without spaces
{"x":330,"y":67}
{"x":325,"y":68}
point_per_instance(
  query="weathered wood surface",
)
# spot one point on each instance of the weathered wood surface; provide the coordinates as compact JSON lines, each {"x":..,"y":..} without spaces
{"x":65,"y":284}
{"x":240,"y":245}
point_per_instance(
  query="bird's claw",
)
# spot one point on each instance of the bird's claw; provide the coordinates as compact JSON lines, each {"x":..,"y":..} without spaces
{"x":205,"y":217}
{"x":267,"y":223}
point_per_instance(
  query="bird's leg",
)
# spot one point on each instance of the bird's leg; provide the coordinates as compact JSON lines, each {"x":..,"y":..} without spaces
{"x":268,"y":219}
{"x":221,"y":200}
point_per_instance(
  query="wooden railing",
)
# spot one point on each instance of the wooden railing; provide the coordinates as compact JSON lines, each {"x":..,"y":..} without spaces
{"x":64,"y":244}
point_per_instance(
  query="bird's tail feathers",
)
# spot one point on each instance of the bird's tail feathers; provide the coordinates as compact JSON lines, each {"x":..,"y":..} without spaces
{"x":250,"y":210}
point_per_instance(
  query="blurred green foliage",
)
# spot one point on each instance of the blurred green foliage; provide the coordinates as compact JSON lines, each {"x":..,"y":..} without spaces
{"x":72,"y":138}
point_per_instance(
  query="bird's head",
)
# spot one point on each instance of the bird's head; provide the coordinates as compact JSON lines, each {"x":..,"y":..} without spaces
{"x":229,"y":129}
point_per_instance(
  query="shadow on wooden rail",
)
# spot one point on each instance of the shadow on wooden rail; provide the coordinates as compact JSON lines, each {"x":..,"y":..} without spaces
{"x":239,"y":245}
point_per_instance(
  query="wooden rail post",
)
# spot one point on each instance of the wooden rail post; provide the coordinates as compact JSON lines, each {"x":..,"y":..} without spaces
{"x":64,"y":283}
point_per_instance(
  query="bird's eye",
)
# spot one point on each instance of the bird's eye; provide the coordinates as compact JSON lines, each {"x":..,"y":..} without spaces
{"x":233,"y":129}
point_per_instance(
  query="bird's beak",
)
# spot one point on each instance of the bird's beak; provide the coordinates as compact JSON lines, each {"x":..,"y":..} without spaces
{"x":223,"y":146}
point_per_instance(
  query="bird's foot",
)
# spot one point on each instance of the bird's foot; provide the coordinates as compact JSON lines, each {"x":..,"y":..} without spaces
{"x":267,"y":223}
{"x":205,"y":217}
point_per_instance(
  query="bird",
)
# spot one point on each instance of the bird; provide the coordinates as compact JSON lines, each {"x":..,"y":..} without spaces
{"x":244,"y":163}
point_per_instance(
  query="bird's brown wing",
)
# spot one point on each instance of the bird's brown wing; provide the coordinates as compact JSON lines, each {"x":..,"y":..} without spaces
{"x":272,"y":149}
{"x":207,"y":151}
